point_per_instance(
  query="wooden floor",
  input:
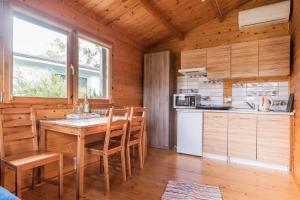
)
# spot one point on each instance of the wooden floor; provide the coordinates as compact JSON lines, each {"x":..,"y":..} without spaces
{"x":236,"y":182}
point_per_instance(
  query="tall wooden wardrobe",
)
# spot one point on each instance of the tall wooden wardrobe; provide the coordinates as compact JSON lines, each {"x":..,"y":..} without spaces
{"x":159,"y":74}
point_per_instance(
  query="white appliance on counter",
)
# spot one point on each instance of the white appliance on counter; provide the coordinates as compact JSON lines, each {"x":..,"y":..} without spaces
{"x":189,"y":131}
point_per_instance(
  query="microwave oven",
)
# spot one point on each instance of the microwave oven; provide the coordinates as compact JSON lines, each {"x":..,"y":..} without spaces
{"x":186,"y":100}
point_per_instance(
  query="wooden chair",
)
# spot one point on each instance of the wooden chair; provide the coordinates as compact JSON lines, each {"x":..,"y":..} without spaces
{"x":17,"y":132}
{"x":113,"y":143}
{"x":135,"y":134}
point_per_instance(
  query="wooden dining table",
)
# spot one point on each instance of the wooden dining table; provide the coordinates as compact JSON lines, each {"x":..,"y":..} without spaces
{"x":80,"y":128}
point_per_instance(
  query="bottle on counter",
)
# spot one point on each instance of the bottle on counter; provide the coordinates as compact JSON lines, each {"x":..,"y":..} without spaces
{"x":86,"y":105}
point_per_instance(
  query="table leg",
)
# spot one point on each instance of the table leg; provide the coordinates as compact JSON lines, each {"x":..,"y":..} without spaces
{"x":42,"y":147}
{"x":80,"y":164}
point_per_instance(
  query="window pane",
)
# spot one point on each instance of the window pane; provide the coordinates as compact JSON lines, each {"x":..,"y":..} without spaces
{"x":39,"y":59}
{"x":93,"y":70}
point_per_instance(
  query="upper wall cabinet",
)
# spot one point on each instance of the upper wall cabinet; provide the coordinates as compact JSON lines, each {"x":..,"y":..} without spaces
{"x":193,"y":58}
{"x":244,"y":60}
{"x":218,"y":62}
{"x":274,"y":56}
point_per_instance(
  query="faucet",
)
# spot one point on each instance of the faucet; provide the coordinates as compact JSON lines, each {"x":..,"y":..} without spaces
{"x":251,"y":105}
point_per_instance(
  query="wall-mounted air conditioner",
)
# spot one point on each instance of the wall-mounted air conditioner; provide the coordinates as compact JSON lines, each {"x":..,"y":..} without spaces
{"x":270,"y":14}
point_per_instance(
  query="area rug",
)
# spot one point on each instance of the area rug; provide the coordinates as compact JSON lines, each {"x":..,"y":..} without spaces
{"x":191,"y":191}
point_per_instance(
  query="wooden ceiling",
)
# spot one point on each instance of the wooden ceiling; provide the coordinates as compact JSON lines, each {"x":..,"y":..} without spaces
{"x":150,"y":21}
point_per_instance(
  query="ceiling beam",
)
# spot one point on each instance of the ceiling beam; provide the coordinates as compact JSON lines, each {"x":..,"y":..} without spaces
{"x":162,"y":18}
{"x":218,"y":9}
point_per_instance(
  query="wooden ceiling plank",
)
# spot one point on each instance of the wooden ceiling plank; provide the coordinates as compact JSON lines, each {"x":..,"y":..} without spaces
{"x":162,"y":18}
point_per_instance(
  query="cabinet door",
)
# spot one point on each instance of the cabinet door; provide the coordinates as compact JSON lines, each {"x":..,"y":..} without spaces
{"x":274,"y":56}
{"x":193,"y":58}
{"x":215,"y":133}
{"x":244,"y":60}
{"x":273,"y":139}
{"x":156,"y":97}
{"x":218,"y":62}
{"x":242,"y":136}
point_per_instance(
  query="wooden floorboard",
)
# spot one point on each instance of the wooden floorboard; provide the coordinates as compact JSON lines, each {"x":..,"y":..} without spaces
{"x":237,"y":182}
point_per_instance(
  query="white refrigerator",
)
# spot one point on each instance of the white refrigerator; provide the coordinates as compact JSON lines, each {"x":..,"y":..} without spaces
{"x":189,"y":132}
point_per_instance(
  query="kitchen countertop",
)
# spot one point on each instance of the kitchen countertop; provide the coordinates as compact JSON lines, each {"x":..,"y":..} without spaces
{"x":246,"y":111}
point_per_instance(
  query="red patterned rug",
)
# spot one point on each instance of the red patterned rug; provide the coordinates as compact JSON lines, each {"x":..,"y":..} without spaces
{"x":191,"y":191}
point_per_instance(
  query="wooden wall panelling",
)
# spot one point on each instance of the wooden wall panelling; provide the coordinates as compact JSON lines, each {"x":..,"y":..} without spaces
{"x":244,"y":59}
{"x":242,"y":136}
{"x":193,"y":58}
{"x":274,"y":56}
{"x":295,"y":30}
{"x":218,"y":62}
{"x":215,"y":137}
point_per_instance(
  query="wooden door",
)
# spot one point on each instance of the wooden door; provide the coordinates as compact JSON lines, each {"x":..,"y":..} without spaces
{"x":244,"y":60}
{"x":215,"y":133}
{"x":274,"y":56}
{"x":218,"y":62}
{"x":157,"y":97}
{"x":242,"y":136}
{"x":193,"y":58}
{"x":273,"y":139}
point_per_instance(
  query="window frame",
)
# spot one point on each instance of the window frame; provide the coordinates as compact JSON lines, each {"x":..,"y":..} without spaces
{"x":99,"y":41}
{"x":73,"y":33}
{"x":46,"y":23}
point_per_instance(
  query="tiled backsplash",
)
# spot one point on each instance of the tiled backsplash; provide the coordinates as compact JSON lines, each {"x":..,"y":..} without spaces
{"x":251,"y":92}
{"x":211,"y":91}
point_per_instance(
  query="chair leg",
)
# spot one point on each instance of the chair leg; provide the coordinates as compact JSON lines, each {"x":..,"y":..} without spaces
{"x":2,"y":174}
{"x":123,"y":163}
{"x":128,"y":159}
{"x":141,"y":155}
{"x":106,"y":173}
{"x":34,"y":174}
{"x":19,"y":183}
{"x":61,"y":176}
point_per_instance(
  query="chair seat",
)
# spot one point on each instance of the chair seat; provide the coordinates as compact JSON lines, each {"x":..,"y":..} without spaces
{"x":31,"y":160}
{"x":97,"y":147}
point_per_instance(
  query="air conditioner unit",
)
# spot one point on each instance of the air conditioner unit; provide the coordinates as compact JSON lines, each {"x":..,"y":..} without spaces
{"x":270,"y":14}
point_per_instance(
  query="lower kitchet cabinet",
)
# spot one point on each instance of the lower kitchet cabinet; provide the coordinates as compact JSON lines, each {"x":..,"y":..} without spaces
{"x":215,"y":135}
{"x":242,"y":136}
{"x":253,"y":139}
{"x":273,"y":139}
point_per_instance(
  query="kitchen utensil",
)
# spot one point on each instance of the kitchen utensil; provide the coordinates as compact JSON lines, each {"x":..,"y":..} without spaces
{"x":265,"y":103}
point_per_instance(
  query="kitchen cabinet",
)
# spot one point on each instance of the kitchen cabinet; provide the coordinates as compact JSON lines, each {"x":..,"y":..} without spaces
{"x":242,"y":136}
{"x":218,"y":62}
{"x":215,"y":133}
{"x":158,"y":92}
{"x":274,"y":56}
{"x":244,"y":60}
{"x":273,"y":139}
{"x":193,"y":58}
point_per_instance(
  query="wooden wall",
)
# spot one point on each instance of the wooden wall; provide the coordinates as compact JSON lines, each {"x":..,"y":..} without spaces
{"x":295,"y":30}
{"x":126,"y":74}
{"x":215,"y":33}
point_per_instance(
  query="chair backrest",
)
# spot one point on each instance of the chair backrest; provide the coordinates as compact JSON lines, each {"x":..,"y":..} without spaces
{"x":117,"y":126}
{"x":136,"y":122}
{"x":18,"y":132}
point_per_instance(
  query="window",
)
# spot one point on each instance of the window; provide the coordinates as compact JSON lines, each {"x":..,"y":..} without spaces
{"x":93,"y":70}
{"x":39,"y":59}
